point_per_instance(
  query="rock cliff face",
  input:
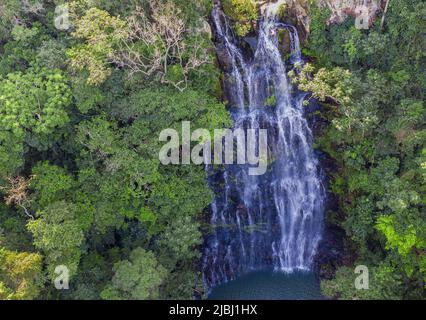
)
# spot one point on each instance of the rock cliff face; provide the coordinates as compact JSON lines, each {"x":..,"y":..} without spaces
{"x":296,"y":12}
{"x":341,"y":9}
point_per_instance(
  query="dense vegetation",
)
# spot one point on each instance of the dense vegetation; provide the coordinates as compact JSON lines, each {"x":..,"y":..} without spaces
{"x":372,"y":84}
{"x":81,"y":111}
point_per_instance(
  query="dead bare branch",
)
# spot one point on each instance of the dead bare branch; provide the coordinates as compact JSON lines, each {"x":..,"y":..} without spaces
{"x":17,"y":193}
{"x":158,"y":41}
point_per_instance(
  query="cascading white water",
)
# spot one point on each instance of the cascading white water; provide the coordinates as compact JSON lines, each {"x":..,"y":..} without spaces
{"x":274,"y":220}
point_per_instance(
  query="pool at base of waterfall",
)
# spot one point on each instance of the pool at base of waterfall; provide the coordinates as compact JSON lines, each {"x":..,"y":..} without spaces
{"x":269,"y":285}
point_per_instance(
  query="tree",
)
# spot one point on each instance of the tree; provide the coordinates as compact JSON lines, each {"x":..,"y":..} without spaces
{"x":136,"y":279}
{"x":101,"y":33}
{"x":17,"y":12}
{"x":21,"y":275}
{"x":49,"y":184}
{"x":59,"y":234}
{"x":34,"y":105}
{"x":11,"y":153}
{"x":244,"y":14}
{"x":17,"y":194}
{"x":384,"y":284}
{"x":159,"y":45}
{"x":334,"y":84}
{"x":181,"y":237}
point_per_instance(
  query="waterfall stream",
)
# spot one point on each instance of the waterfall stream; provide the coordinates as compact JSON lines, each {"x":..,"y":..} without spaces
{"x":273,"y":220}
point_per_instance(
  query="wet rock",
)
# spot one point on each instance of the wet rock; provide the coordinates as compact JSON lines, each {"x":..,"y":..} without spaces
{"x":242,"y":208}
{"x":223,"y":57}
{"x":296,"y":13}
{"x":331,"y":252}
{"x":252,"y":43}
{"x":285,"y":42}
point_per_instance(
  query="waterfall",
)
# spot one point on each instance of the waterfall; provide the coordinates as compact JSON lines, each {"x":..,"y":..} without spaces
{"x":273,"y":220}
{"x":296,"y":54}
